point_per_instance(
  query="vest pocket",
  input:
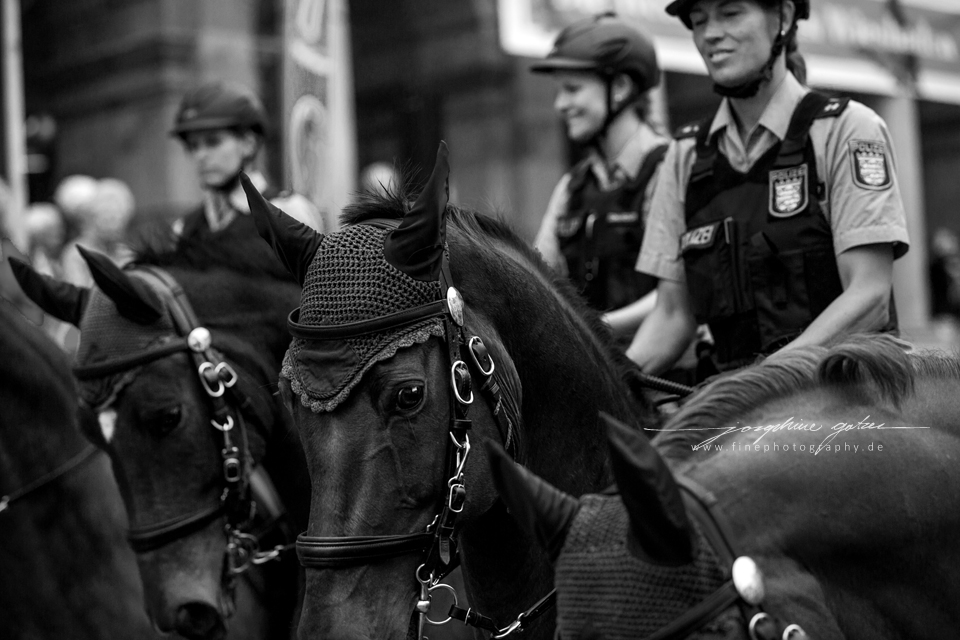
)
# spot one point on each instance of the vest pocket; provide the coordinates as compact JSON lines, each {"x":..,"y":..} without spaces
{"x":780,"y":295}
{"x":710,"y":260}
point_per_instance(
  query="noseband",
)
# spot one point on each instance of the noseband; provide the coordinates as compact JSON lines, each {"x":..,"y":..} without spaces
{"x":468,"y":358}
{"x":244,"y":488}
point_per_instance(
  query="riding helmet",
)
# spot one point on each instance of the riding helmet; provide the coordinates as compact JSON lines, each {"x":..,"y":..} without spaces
{"x":219,"y":105}
{"x":682,"y":8}
{"x":606,"y":45}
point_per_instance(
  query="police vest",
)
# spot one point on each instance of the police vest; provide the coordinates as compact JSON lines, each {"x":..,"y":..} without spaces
{"x":758,"y":252}
{"x":600,"y":236}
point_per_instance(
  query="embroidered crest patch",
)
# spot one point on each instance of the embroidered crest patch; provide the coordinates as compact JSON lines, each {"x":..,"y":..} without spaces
{"x":699,"y":238}
{"x":788,"y":191}
{"x":871,"y":169}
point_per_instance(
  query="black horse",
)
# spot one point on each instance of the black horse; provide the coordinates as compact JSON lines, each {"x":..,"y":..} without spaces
{"x":65,"y":568}
{"x":379,"y":381}
{"x":178,"y":361}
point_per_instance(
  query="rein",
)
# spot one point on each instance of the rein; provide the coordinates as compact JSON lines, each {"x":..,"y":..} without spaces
{"x":468,"y":359}
{"x":244,"y":488}
{"x":73,"y":463}
{"x":743,"y":585}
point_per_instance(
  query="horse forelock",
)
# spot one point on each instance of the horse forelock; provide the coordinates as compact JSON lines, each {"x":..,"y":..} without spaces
{"x":863,"y":364}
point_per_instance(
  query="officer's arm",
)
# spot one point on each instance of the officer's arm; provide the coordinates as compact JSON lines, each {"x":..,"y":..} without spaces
{"x":666,"y":333}
{"x":625,"y":320}
{"x":866,"y":273}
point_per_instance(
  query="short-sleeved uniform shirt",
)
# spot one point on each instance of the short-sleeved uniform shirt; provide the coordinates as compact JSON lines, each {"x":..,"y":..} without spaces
{"x":858,"y":213}
{"x":624,"y":167}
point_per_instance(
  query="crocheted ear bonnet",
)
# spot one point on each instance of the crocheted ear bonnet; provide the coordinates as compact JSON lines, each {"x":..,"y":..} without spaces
{"x":349,"y":280}
{"x":362,"y":273}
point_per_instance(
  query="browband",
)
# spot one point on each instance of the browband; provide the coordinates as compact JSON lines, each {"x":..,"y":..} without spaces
{"x":437,"y":308}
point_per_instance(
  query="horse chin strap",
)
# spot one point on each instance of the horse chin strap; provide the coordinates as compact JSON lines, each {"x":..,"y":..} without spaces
{"x":244,"y":488}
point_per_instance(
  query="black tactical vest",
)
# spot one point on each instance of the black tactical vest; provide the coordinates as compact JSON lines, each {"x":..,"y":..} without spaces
{"x":600,"y":236}
{"x":758,"y":252}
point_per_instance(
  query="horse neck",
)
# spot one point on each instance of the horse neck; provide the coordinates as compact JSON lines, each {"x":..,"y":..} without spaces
{"x":567,"y":376}
{"x":566,"y":371}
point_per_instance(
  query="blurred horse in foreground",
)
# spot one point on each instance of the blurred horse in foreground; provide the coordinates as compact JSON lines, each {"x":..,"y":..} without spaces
{"x":815,"y":495}
{"x":66,"y":570}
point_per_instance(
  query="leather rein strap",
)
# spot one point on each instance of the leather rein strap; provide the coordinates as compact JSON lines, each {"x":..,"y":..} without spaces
{"x":85,"y":455}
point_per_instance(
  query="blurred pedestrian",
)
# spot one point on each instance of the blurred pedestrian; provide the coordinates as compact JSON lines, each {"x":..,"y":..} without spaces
{"x":379,"y":178}
{"x":603,"y":70}
{"x":73,"y":196}
{"x":103,"y":221}
{"x":222,"y":127}
{"x":46,"y":234}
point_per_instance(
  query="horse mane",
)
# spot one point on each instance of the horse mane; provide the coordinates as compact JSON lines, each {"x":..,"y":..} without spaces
{"x":859,"y":367}
{"x":244,"y":253}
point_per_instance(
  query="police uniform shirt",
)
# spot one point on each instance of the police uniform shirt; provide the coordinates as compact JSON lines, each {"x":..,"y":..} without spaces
{"x":625,"y":167}
{"x":854,"y":159}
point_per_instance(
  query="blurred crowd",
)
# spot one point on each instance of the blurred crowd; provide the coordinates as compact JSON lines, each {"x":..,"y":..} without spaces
{"x":85,"y":211}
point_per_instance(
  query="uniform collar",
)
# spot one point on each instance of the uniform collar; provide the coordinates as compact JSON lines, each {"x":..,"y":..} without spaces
{"x":629,"y":158}
{"x":220,"y":210}
{"x":777,"y":114}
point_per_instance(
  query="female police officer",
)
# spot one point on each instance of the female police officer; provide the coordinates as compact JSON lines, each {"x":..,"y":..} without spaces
{"x":222,"y":126}
{"x":593,"y":226}
{"x":777,"y":221}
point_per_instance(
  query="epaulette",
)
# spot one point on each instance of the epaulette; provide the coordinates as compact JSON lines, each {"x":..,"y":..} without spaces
{"x":833,"y":107}
{"x":687,"y":131}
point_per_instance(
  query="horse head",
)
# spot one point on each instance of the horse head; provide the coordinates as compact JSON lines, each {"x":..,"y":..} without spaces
{"x":186,"y":416}
{"x":629,"y":562}
{"x":413,"y":324}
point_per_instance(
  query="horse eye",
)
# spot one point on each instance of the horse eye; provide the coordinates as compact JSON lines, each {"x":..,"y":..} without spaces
{"x":165,"y":420}
{"x":409,"y":397}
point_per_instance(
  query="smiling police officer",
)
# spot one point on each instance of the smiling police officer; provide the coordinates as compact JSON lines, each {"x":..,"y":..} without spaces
{"x":777,"y":220}
{"x":603,"y":70}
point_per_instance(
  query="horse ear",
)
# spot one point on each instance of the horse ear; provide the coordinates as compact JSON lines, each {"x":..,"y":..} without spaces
{"x":135,"y":300}
{"x":542,"y":510}
{"x":416,"y":246}
{"x":62,"y":300}
{"x":659,"y":528}
{"x":294,"y":242}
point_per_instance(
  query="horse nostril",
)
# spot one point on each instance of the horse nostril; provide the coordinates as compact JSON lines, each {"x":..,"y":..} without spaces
{"x":199,"y":621}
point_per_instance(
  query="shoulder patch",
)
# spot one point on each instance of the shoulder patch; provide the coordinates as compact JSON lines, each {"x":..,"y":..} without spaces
{"x":687,"y":131}
{"x":833,"y":108}
{"x":871,"y":166}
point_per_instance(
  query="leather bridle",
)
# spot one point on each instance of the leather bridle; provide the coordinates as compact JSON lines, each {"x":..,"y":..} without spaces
{"x":742,"y":584}
{"x":244,"y":487}
{"x":468,"y":358}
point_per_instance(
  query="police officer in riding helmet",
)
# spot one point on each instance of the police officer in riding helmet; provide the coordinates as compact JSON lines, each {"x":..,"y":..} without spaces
{"x":222,"y":126}
{"x":603,"y":70}
{"x":776,"y":220}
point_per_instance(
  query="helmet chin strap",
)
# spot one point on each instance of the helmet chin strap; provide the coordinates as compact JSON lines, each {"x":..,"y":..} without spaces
{"x":612,"y":113}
